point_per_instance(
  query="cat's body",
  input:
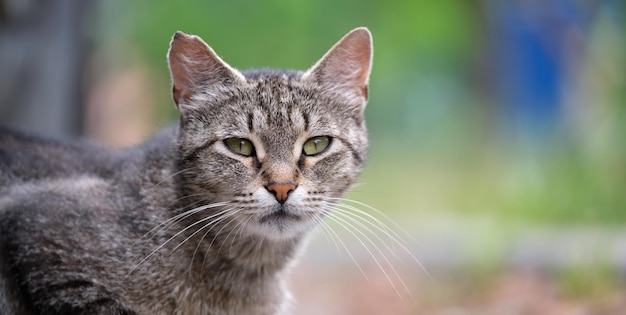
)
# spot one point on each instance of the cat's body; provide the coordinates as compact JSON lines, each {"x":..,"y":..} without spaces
{"x":127,"y":193}
{"x":204,"y":218}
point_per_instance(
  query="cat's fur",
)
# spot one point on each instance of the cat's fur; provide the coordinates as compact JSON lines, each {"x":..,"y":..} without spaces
{"x":89,"y":230}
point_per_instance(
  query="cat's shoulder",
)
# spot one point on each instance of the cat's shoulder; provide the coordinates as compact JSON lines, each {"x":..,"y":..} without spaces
{"x":25,"y":157}
{"x":25,"y":145}
{"x":28,"y":156}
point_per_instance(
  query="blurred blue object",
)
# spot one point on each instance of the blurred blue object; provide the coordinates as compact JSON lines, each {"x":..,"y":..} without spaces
{"x":533,"y":60}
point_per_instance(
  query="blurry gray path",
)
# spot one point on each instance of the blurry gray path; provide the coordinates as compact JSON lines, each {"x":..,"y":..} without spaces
{"x":453,"y":244}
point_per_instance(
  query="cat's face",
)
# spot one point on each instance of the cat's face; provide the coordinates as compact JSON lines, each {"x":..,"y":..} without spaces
{"x":278,"y":146}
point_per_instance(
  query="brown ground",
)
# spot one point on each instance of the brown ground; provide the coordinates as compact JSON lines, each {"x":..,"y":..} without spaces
{"x":342,"y":289}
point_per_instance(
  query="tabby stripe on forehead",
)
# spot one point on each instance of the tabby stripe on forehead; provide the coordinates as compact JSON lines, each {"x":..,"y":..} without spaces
{"x":289,"y":113}
{"x":305,"y":116}
{"x":250,"y":122}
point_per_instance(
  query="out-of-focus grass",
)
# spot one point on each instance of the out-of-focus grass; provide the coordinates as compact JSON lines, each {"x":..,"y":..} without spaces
{"x":562,"y":186}
{"x":595,"y":283}
{"x":439,"y":145}
{"x":438,"y":142}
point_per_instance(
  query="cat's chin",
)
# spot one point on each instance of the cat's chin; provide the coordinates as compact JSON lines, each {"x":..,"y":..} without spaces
{"x":281,"y":225}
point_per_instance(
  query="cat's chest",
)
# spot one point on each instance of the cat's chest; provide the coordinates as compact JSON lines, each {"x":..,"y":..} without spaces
{"x":220,"y":294}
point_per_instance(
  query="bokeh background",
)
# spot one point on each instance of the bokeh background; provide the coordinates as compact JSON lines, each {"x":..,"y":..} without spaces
{"x":498,"y":135}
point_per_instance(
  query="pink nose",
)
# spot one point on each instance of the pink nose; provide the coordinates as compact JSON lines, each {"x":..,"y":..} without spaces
{"x":281,"y":190}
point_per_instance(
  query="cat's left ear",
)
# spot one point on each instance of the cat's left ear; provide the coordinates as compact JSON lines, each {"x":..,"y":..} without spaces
{"x":347,"y":64}
{"x":196,"y":68}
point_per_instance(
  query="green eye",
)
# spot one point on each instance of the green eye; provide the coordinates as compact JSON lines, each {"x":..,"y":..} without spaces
{"x":316,"y":145}
{"x":240,"y":146}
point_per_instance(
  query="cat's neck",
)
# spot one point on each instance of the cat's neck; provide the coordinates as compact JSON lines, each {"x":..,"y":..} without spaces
{"x":254,"y":252}
{"x":224,"y":261}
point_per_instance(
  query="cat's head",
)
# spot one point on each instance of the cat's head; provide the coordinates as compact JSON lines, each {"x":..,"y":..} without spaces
{"x":278,"y":146}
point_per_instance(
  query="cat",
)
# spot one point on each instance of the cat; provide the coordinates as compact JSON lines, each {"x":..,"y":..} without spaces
{"x":206,"y":217}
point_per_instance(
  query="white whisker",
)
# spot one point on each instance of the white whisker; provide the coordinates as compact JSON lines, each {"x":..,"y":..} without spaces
{"x":224,"y":214}
{"x":320,"y":222}
{"x":381,"y":226}
{"x":217,"y":234}
{"x":359,"y":221}
{"x":395,"y":238}
{"x":239,"y":227}
{"x":336,"y":236}
{"x":351,"y":229}
{"x":170,"y":177}
{"x":201,"y":241}
{"x":382,"y":214}
{"x":177,"y":218}
{"x":389,"y":232}
{"x":180,"y":232}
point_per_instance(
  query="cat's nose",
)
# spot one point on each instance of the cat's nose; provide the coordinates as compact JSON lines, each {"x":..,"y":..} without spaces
{"x":281,"y":190}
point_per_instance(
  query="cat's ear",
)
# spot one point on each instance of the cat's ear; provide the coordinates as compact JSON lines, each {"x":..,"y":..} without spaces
{"x":195,"y":67}
{"x":347,"y":64}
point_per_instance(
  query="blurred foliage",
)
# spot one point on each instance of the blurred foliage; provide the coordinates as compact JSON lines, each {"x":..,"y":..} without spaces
{"x":439,"y":142}
{"x":295,"y":34}
{"x":596,"y":283}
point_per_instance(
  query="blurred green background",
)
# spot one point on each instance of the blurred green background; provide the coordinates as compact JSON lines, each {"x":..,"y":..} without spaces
{"x":448,"y":127}
{"x":497,"y":135}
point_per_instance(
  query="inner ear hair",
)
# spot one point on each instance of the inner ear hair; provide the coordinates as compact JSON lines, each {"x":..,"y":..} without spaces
{"x":194,"y":66}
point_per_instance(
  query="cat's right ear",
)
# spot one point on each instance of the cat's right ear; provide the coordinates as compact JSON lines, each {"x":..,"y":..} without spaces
{"x":195,"y":67}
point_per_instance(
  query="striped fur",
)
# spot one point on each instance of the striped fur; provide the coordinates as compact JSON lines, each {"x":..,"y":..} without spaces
{"x":182,"y":224}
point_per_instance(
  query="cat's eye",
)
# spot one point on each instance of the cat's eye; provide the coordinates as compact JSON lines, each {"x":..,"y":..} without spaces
{"x":315,"y":145}
{"x":240,"y":146}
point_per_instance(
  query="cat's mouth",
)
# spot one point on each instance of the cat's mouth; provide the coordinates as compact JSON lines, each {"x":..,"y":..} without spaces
{"x":280,"y":215}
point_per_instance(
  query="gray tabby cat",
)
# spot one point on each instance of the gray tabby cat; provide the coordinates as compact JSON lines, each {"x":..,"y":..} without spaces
{"x":205,"y":218}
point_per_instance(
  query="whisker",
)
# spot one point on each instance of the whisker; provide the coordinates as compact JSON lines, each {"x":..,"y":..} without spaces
{"x":395,"y":238}
{"x":218,"y":233}
{"x":336,"y":236}
{"x":213,"y":223}
{"x":167,"y":222}
{"x":359,"y":221}
{"x":239,"y":227}
{"x":320,"y":222}
{"x":351,"y":229}
{"x":229,"y":234}
{"x":177,"y":234}
{"x":170,"y":177}
{"x":387,"y":230}
{"x":224,"y":214}
{"x":192,"y":196}
{"x":177,"y":218}
{"x":382,"y":214}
